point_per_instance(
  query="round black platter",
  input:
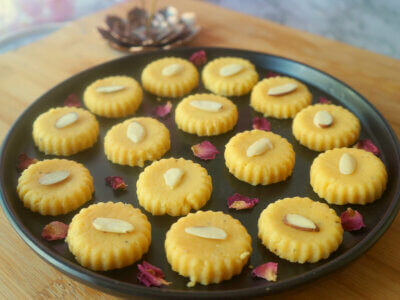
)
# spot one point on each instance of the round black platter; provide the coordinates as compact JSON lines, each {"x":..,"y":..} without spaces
{"x":377,"y":216}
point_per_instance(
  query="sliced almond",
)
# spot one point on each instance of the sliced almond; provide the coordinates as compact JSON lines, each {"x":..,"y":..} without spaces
{"x":347,"y":164}
{"x":206,"y":105}
{"x":323,"y":119}
{"x":135,"y":132}
{"x":172,"y":177}
{"x":207,"y":232}
{"x":259,"y":147}
{"x":171,"y":70}
{"x":300,"y":222}
{"x":191,"y":283}
{"x":112,"y":225}
{"x":53,"y":177}
{"x":282,"y":89}
{"x":230,"y":70}
{"x":110,"y":88}
{"x":66,"y":120}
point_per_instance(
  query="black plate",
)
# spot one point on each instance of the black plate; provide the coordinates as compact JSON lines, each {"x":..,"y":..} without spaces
{"x":377,"y":216}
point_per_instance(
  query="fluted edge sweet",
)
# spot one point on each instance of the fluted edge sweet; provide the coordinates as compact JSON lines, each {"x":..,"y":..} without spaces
{"x":278,"y":110}
{"x":64,"y":203}
{"x":319,"y":142}
{"x":336,"y":193}
{"x":233,"y":88}
{"x":176,"y":89}
{"x":65,"y":145}
{"x":125,"y":156}
{"x":110,"y":258}
{"x":255,"y":174}
{"x":210,"y":272}
{"x":196,"y":199}
{"x":295,"y":251}
{"x":114,"y":109}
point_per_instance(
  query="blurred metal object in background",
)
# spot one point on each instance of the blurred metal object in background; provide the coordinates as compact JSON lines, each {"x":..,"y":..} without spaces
{"x":149,"y":29}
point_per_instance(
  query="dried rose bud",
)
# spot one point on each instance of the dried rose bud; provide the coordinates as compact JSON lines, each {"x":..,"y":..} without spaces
{"x":24,"y":161}
{"x":205,"y":150}
{"x":352,"y":220}
{"x":116,"y":182}
{"x":367,"y":145}
{"x":72,"y":100}
{"x":324,"y":100}
{"x":163,"y":110}
{"x":271,"y":74}
{"x":150,"y":275}
{"x":261,"y":124}
{"x":240,"y":202}
{"x":266,"y":271}
{"x":198,"y":58}
{"x":55,"y":231}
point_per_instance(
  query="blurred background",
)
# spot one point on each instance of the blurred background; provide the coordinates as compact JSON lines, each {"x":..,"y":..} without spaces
{"x":369,"y":24}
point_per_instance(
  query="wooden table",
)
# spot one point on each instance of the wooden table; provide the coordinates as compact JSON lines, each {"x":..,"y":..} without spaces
{"x":27,"y":73}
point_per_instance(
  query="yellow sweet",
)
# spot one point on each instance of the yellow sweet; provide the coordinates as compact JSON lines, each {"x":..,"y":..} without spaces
{"x":298,"y":245}
{"x":279,"y":106}
{"x":170,"y":77}
{"x":113,"y":97}
{"x":58,"y":198}
{"x":237,"y":84}
{"x":206,"y":260}
{"x":206,"y":122}
{"x":273,"y":165}
{"x":102,"y":251}
{"x":344,"y":130}
{"x":120,"y":149}
{"x":192,"y":190}
{"x":68,"y":140}
{"x":366,"y":184}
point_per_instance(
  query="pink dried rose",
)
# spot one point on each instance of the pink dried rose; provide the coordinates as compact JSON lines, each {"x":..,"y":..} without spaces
{"x":72,"y":100}
{"x":261,"y":124}
{"x":55,"y":231}
{"x":116,"y":182}
{"x":24,"y":161}
{"x":198,"y":58}
{"x":205,"y":150}
{"x":163,"y":110}
{"x":367,"y":145}
{"x":271,"y":74}
{"x":266,"y":271}
{"x":150,"y":275}
{"x":240,"y":202}
{"x":324,"y":100}
{"x":352,"y":220}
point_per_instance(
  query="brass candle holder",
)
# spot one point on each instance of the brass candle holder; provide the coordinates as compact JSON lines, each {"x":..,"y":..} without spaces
{"x":145,"y":29}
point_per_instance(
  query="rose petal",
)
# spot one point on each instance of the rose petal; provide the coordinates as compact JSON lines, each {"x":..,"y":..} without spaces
{"x":116,"y":182}
{"x":24,"y":161}
{"x":205,"y":150}
{"x":261,"y":124}
{"x":240,"y":202}
{"x":163,"y":110}
{"x":72,"y":100}
{"x":351,"y":220}
{"x":267,"y":271}
{"x":55,"y":231}
{"x":198,"y":58}
{"x":271,"y":74}
{"x":367,"y":145}
{"x":150,"y":275}
{"x":324,"y":100}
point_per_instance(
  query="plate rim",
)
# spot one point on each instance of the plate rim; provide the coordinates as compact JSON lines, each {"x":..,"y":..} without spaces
{"x":104,"y":283}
